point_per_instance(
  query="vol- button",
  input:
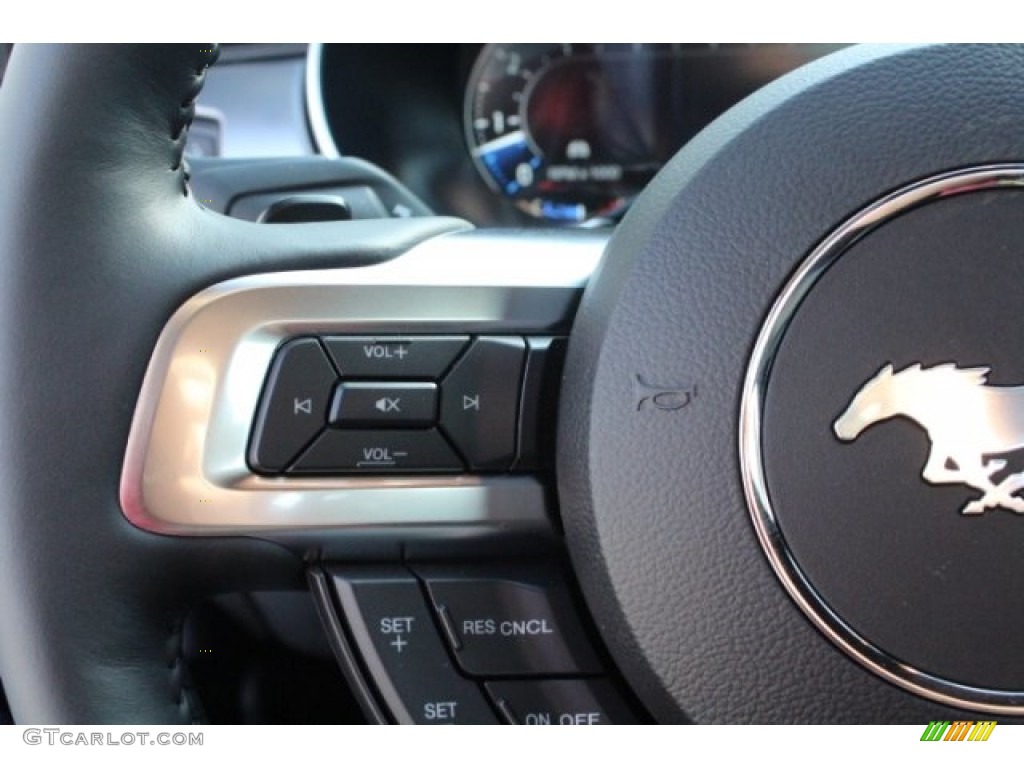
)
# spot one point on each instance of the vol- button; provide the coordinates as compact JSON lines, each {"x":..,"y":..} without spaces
{"x":378,"y":450}
{"x":479,"y":401}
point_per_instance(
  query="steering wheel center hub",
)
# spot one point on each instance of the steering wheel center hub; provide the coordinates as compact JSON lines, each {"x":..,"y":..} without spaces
{"x":653,"y":491}
{"x":902,"y":544}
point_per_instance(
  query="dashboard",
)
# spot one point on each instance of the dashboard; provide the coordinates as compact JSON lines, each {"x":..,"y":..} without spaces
{"x":498,"y":134}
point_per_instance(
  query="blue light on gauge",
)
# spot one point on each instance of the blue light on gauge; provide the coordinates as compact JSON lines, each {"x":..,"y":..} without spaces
{"x":502,"y":157}
{"x":563,"y":211}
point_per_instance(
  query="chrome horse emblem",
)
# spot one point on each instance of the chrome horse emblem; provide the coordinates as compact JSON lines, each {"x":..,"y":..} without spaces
{"x":967,"y":422}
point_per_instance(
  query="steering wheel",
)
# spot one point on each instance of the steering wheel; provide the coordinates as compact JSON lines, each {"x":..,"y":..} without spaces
{"x":740,"y":562}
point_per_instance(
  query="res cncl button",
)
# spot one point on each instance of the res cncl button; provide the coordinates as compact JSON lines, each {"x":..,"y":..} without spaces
{"x":521,"y":623}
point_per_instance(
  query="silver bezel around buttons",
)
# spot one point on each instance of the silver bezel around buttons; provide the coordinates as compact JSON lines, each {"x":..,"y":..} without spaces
{"x":185,"y":470}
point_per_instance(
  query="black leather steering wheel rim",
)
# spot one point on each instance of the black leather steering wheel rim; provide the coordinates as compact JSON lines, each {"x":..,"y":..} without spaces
{"x":101,"y":241}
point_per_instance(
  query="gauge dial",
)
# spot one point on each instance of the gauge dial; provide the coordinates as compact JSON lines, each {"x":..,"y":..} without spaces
{"x":529,"y":121}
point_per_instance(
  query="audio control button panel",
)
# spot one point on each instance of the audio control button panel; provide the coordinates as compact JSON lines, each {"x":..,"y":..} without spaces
{"x":343,"y":405}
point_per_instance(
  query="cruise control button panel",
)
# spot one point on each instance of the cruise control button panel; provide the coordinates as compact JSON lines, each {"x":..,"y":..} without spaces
{"x":342,"y":405}
{"x":505,"y":644}
{"x":514,"y":624}
{"x":395,"y":635}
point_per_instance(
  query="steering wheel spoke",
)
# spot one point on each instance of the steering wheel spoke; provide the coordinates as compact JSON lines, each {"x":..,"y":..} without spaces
{"x":188,"y":468}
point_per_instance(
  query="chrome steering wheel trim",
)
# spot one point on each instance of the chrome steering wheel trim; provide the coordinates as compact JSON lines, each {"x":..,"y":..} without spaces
{"x":185,"y":471}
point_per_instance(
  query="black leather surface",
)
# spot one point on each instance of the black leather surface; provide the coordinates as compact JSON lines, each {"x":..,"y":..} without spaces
{"x":651,"y":500}
{"x":100,"y":243}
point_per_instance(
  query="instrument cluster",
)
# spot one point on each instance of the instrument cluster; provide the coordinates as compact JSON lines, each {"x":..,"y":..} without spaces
{"x":552,"y":133}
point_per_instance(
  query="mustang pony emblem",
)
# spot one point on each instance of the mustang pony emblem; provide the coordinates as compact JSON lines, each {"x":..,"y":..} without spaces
{"x":967,"y":422}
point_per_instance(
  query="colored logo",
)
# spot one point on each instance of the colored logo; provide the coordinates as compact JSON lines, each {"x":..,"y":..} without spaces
{"x":967,"y":422}
{"x":959,"y":730}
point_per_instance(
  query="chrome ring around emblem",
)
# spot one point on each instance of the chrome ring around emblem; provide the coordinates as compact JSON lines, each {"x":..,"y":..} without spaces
{"x":766,"y":524}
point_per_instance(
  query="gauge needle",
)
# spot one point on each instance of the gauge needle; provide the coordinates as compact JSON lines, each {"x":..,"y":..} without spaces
{"x":500,"y":143}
